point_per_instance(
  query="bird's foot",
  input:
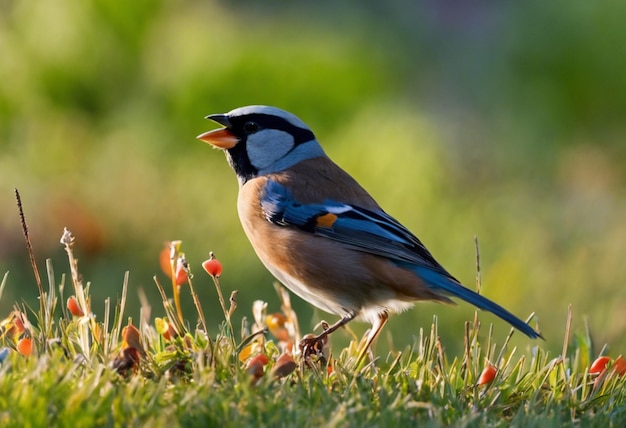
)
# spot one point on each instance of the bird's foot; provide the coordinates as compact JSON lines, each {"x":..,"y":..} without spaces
{"x":313,"y":346}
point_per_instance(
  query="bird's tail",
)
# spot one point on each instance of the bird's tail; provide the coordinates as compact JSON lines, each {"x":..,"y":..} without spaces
{"x":449,"y":286}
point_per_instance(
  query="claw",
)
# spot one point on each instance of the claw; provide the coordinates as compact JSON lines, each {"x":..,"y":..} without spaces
{"x":313,"y":345}
{"x":312,"y":348}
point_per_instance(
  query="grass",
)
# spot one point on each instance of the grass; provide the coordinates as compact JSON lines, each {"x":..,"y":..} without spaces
{"x":87,"y":369}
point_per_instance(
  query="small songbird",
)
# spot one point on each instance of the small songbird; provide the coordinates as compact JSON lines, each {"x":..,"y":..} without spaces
{"x":321,"y":234}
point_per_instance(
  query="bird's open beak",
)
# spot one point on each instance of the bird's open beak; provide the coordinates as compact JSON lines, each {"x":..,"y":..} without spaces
{"x":221,"y":138}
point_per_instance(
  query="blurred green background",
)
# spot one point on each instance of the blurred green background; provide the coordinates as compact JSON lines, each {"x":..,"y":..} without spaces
{"x":503,"y":120}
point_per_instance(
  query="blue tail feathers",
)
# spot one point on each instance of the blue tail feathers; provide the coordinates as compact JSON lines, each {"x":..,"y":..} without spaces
{"x":449,"y":286}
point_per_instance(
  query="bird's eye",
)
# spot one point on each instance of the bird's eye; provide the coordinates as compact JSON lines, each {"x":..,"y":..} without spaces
{"x":250,"y":127}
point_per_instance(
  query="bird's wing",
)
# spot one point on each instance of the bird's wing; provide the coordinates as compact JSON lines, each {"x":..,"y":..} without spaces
{"x":374,"y":232}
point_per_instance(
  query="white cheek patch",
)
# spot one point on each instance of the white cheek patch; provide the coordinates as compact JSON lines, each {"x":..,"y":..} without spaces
{"x":267,"y":146}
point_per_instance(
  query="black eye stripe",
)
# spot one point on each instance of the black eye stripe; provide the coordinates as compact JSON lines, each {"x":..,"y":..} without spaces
{"x":265,"y":121}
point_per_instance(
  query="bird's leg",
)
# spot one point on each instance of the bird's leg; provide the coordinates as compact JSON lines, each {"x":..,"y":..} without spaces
{"x":343,"y":321}
{"x":376,"y":328}
{"x":311,"y":344}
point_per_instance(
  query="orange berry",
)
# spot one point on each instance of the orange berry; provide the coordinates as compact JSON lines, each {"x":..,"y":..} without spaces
{"x":619,"y":365}
{"x":74,"y":307}
{"x":25,"y":346}
{"x":488,"y":374}
{"x":599,"y":365}
{"x":212,"y":266}
{"x":170,"y":252}
{"x":165,"y":261}
{"x":276,"y":324}
{"x":276,"y":320}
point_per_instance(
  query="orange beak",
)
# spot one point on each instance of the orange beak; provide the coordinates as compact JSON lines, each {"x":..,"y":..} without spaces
{"x":221,"y":138}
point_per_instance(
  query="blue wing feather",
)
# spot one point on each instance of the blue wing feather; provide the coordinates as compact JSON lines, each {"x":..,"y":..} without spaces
{"x":374,"y":232}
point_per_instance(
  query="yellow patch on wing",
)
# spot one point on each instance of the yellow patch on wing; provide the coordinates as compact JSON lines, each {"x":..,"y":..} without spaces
{"x":326,"y":220}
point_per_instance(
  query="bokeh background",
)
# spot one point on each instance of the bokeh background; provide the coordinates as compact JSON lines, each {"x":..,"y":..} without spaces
{"x":505,"y":120}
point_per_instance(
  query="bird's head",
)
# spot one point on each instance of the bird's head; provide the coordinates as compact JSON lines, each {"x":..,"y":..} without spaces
{"x":260,"y":140}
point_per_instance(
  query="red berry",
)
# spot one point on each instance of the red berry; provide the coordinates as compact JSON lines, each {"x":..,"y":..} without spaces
{"x":74,"y":307}
{"x":212,"y":266}
{"x":181,"y":271}
{"x":261,"y":359}
{"x":619,"y":365}
{"x":488,"y":374}
{"x":256,"y":364}
{"x":599,"y":365}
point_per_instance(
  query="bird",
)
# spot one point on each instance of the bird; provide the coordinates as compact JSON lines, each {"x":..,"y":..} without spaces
{"x":321,"y":234}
